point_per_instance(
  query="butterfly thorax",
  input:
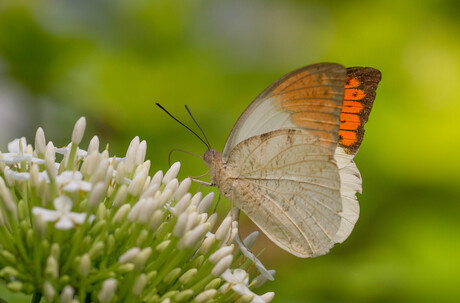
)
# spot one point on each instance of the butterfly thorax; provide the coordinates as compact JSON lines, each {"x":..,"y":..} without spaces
{"x":219,"y":173}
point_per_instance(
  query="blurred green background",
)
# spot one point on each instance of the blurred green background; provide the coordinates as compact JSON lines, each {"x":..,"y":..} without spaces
{"x":112,"y":60}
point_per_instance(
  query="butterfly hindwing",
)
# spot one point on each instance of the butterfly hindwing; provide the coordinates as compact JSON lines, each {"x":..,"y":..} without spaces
{"x":288,"y":184}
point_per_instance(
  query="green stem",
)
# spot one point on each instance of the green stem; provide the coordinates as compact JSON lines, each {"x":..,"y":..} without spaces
{"x":71,"y":159}
{"x":36,"y":297}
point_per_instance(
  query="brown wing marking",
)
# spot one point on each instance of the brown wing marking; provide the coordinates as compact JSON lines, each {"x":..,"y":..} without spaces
{"x":360,"y":86}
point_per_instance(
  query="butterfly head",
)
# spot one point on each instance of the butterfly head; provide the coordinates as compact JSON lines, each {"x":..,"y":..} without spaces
{"x":211,"y":155}
{"x":213,"y":159}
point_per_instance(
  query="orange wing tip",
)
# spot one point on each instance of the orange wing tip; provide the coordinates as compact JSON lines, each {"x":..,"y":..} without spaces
{"x":352,"y":107}
{"x":354,"y":94}
{"x":352,"y":82}
{"x":347,"y":138}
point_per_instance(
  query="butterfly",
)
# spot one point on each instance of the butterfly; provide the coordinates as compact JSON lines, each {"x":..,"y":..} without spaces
{"x":288,"y":161}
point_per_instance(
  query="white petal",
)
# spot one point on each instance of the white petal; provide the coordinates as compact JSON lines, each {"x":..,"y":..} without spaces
{"x":81,"y":153}
{"x":228,"y":276}
{"x":63,"y":204}
{"x":258,"y":299}
{"x":64,"y":223}
{"x":37,"y":160}
{"x":12,"y":158}
{"x":44,"y":176}
{"x":63,"y":150}
{"x":241,"y":289}
{"x":71,"y":186}
{"x":241,"y":276}
{"x":13,"y":146}
{"x":46,"y":214}
{"x":64,"y":177}
{"x":17,"y":175}
{"x":77,"y":217}
{"x":85,"y":186}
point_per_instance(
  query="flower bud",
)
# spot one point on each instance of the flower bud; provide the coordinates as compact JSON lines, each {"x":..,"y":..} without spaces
{"x":129,"y":255}
{"x":121,"y":195}
{"x":67,"y":294}
{"x":141,"y":151}
{"x":78,"y":130}
{"x":48,"y":291}
{"x":97,"y":194}
{"x":207,"y":244}
{"x":196,"y":199}
{"x":183,"y":188}
{"x":121,"y":214}
{"x":205,"y":296}
{"x":141,"y":258}
{"x":180,"y":226}
{"x":212,"y":220}
{"x":182,"y":205}
{"x":108,"y":290}
{"x":222,"y":266}
{"x":172,"y":275}
{"x":245,"y":298}
{"x":268,"y":297}
{"x":52,"y":268}
{"x":40,"y":142}
{"x":34,"y":181}
{"x":221,"y":253}
{"x":224,"y":229}
{"x":193,"y":237}
{"x":140,"y":283}
{"x":93,"y":146}
{"x":171,"y":173}
{"x":188,"y":276}
{"x":155,"y":221}
{"x":156,"y":179}
{"x":206,"y":203}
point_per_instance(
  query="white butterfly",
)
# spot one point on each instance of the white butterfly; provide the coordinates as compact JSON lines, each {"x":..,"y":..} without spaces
{"x":288,"y":162}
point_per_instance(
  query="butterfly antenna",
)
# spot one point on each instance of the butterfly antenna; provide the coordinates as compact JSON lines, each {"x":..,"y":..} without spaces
{"x":184,"y":151}
{"x":207,"y":144}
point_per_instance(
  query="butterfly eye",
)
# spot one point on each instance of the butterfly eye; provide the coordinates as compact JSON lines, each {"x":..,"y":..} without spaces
{"x":208,"y":156}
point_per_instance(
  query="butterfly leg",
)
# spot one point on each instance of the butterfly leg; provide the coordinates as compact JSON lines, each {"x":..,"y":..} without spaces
{"x":218,"y":200}
{"x":200,"y":176}
{"x":203,"y":183}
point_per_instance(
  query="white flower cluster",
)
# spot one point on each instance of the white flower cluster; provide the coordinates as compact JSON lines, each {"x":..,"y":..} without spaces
{"x":91,"y":227}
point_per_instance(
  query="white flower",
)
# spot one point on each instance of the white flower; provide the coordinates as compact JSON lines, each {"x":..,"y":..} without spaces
{"x":71,"y":181}
{"x":238,"y":281}
{"x":66,"y":149}
{"x":17,"y":153}
{"x":63,"y":215}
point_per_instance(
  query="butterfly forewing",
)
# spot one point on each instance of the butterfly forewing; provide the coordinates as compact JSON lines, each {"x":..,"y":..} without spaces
{"x":287,"y":182}
{"x":309,"y":98}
